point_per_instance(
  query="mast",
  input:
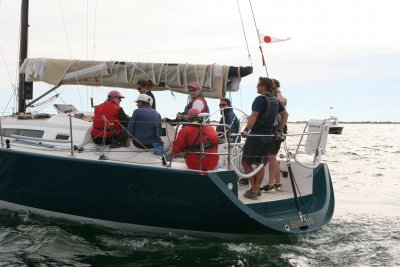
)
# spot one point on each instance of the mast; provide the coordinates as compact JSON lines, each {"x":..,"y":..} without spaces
{"x":24,"y":88}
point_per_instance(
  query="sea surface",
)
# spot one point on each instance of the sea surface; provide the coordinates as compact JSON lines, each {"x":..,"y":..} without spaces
{"x":365,"y":230}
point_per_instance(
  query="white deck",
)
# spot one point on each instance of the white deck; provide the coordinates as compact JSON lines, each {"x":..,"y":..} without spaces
{"x":286,"y":193}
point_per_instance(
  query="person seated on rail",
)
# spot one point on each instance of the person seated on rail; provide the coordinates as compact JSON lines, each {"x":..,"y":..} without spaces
{"x":107,"y":121}
{"x":188,"y":141}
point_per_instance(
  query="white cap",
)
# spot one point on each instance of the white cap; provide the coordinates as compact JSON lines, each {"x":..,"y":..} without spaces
{"x":145,"y":98}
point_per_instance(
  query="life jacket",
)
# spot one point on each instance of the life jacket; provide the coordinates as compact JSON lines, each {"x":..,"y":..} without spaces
{"x":189,"y":140}
{"x":195,"y":146}
{"x":205,"y":108}
{"x":267,"y":118}
{"x":110,"y":111}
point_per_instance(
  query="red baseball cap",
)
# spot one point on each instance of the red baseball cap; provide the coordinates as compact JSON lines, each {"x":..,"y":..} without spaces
{"x":115,"y":93}
{"x":194,"y":85}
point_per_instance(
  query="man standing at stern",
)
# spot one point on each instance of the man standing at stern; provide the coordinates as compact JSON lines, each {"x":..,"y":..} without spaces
{"x":259,"y":133}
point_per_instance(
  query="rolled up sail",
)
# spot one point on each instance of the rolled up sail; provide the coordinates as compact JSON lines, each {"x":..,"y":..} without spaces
{"x":216,"y":79}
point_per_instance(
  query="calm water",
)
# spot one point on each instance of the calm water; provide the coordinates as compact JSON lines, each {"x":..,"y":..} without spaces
{"x":365,"y":230}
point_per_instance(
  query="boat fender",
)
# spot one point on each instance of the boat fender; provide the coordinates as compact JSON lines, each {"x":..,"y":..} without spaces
{"x":8,"y":143}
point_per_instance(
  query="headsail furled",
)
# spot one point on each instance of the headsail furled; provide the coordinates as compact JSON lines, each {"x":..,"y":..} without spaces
{"x":216,"y":79}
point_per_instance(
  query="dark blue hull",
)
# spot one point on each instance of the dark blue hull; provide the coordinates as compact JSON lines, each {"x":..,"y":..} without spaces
{"x":336,"y":130}
{"x":185,"y":201}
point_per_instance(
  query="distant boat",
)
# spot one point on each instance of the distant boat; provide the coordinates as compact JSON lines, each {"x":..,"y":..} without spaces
{"x":334,"y":126}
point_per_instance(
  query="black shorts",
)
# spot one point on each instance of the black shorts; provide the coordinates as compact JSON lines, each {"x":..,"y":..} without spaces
{"x":256,"y":149}
{"x":276,"y":145}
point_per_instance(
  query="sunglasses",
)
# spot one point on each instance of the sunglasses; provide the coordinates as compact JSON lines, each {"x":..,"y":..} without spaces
{"x":223,"y":105}
{"x":192,"y":89}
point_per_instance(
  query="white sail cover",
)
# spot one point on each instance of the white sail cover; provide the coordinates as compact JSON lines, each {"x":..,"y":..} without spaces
{"x":166,"y":76}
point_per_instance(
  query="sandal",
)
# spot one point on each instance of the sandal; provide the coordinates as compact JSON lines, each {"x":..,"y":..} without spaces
{"x":244,"y":181}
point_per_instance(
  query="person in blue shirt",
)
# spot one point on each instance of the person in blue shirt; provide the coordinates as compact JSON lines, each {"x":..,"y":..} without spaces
{"x":274,"y":183}
{"x":145,"y":124}
{"x":229,"y":118}
{"x":259,"y":132}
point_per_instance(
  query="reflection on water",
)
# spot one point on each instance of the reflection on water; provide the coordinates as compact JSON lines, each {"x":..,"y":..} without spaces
{"x":365,"y":229}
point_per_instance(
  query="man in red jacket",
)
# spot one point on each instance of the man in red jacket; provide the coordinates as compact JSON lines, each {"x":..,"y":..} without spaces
{"x":188,"y":140}
{"x":107,"y":121}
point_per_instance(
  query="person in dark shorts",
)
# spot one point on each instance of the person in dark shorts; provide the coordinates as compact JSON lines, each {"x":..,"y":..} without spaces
{"x":274,"y":183}
{"x":259,"y":133}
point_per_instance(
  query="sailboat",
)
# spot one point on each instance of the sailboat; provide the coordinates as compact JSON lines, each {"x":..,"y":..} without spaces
{"x":50,"y":166}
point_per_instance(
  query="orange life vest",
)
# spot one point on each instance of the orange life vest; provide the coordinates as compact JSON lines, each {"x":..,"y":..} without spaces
{"x":102,"y":128}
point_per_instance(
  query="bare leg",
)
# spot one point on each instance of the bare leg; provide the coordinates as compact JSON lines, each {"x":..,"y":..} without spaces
{"x":259,"y":177}
{"x":278,"y":174}
{"x":273,"y":168}
{"x":248,"y":169}
{"x":256,"y":180}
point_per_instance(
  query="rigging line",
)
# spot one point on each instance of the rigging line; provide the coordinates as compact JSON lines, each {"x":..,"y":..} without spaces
{"x":258,"y":36}
{"x":94,"y":28}
{"x":8,"y":71}
{"x":87,"y":49}
{"x":78,"y":84}
{"x":244,"y":33}
{"x":294,"y":184}
{"x":65,"y":29}
{"x":44,"y":104}
{"x":94,"y":36}
{"x":12,"y":84}
{"x":87,"y":46}
{"x":16,"y":98}
{"x":87,"y":29}
{"x":69,"y":46}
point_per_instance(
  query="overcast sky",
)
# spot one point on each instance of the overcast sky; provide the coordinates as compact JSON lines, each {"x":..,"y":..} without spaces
{"x":343,"y":54}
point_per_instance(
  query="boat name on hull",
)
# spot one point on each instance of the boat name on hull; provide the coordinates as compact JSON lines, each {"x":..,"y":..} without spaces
{"x":143,"y":196}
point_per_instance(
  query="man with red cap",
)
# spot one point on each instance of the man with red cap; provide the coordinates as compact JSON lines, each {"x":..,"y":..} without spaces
{"x":188,"y":141}
{"x":196,"y":101}
{"x":107,"y":121}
